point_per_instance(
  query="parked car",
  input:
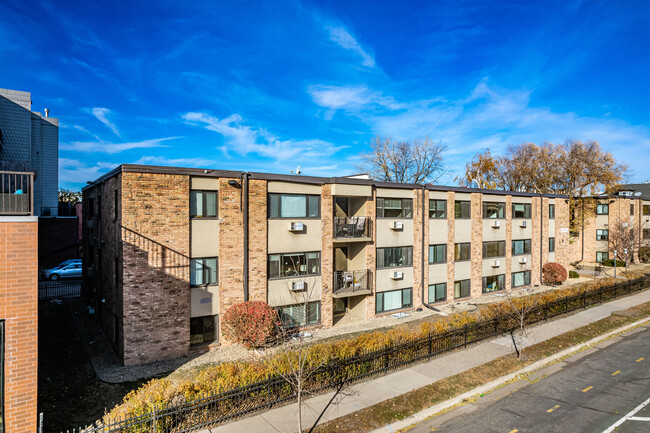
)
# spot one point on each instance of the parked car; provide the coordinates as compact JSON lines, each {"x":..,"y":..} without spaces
{"x":67,"y":269}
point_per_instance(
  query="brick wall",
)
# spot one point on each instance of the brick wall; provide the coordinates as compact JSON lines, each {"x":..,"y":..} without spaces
{"x":564,"y":249}
{"x":327,"y":256}
{"x":508,"y":259}
{"x":477,"y":246}
{"x":19,"y":310}
{"x":418,"y":258}
{"x":545,"y":229}
{"x":535,"y":256}
{"x":257,"y":240}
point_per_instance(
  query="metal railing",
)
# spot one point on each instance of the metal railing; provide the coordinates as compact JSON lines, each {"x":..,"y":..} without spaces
{"x":16,"y":193}
{"x":274,"y":390}
{"x":351,"y":281}
{"x":352,"y":227}
{"x":59,"y":289}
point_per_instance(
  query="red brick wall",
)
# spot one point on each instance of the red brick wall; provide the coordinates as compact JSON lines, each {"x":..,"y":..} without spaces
{"x":19,"y":310}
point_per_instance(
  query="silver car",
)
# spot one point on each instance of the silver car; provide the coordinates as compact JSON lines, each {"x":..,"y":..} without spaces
{"x":67,"y":269}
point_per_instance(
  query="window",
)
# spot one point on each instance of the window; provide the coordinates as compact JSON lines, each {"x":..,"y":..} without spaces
{"x":602,"y":235}
{"x":438,"y":209}
{"x":461,"y":289}
{"x":300,"y":314}
{"x":631,"y":208}
{"x":494,"y":283}
{"x":463,"y":210}
{"x":294,"y":206}
{"x":394,"y":300}
{"x":521,"y":279}
{"x":646,"y":209}
{"x":646,"y":233}
{"x":394,"y":208}
{"x":394,"y":257}
{"x":203,"y":204}
{"x":437,"y":253}
{"x":551,"y":211}
{"x":204,"y":329}
{"x":520,"y":247}
{"x":462,"y":252}
{"x":204,"y":271}
{"x":602,"y":209}
{"x":437,"y":293}
{"x":521,"y":210}
{"x":494,"y":249}
{"x":551,"y":245}
{"x":294,"y":264}
{"x":494,"y":210}
{"x":601,"y":255}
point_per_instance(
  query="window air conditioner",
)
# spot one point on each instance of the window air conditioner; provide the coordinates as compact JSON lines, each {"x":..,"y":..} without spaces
{"x":397,"y":275}
{"x":524,"y":223}
{"x":496,"y":263}
{"x":496,"y":224}
{"x":298,"y":286}
{"x":523,"y":260}
{"x":296,"y":227}
{"x":398,"y":225}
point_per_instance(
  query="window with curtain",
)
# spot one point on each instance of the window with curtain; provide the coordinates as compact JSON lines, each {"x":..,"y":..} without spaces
{"x":392,"y":257}
{"x":602,"y":209}
{"x":602,"y":235}
{"x":601,"y":256}
{"x":521,"y":210}
{"x":494,"y":249}
{"x":461,"y":289}
{"x":520,"y":247}
{"x":203,"y":204}
{"x":494,"y":283}
{"x":294,"y":264}
{"x":294,"y":206}
{"x":393,"y":300}
{"x":204,"y":271}
{"x":438,"y":209}
{"x":462,"y":252}
{"x":299,"y":314}
{"x":494,"y":210}
{"x":394,"y":208}
{"x":437,"y":253}
{"x":462,"y":210}
{"x":520,"y":279}
{"x":437,"y":293}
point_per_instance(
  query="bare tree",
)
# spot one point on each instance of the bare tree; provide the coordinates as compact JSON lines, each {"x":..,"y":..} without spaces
{"x":621,"y":238}
{"x":414,"y":161}
{"x":69,"y":196}
{"x":520,"y":308}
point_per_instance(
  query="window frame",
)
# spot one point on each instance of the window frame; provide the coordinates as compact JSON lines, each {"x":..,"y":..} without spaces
{"x":551,"y":211}
{"x":215,"y":319}
{"x":526,"y":279}
{"x":299,"y":275}
{"x":501,"y":245}
{"x":204,"y":203}
{"x":551,"y":244}
{"x":436,"y":210}
{"x":501,"y":211}
{"x":306,"y":314}
{"x":631,"y":209}
{"x":403,"y":307}
{"x":307,"y":207}
{"x":526,"y":242}
{"x":432,"y":248}
{"x":603,"y":235}
{"x":500,"y":287}
{"x":402,"y":208}
{"x":377,"y":255}
{"x":606,"y":253}
{"x":435,"y":297}
{"x":528,"y":211}
{"x":205,"y":271}
{"x":460,"y":289}
{"x":459,"y":205}
{"x":600,"y":207}
{"x":646,"y":210}
{"x":458,"y":249}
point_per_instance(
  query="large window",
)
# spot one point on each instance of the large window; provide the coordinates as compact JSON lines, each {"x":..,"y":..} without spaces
{"x":601,"y":256}
{"x":521,"y":279}
{"x":494,"y":283}
{"x":437,"y":293}
{"x":551,"y":245}
{"x":437,"y":253}
{"x":631,"y":208}
{"x":204,"y":272}
{"x":394,"y":208}
{"x":602,"y":209}
{"x":462,"y":252}
{"x":551,"y":211}
{"x":494,"y":249}
{"x":461,"y":289}
{"x":438,"y":209}
{"x":204,"y":329}
{"x":394,"y":300}
{"x":294,"y":206}
{"x":294,"y":264}
{"x":300,"y":314}
{"x":203,"y":204}
{"x":394,"y":257}
{"x":493,"y":210}
{"x":646,"y":209}
{"x":462,"y":210}
{"x":521,"y":210}
{"x":602,"y":235}
{"x":520,"y":247}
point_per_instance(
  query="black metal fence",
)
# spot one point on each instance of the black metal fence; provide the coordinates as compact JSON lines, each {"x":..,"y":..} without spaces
{"x":274,"y":390}
{"x":59,"y":289}
{"x":352,"y":227}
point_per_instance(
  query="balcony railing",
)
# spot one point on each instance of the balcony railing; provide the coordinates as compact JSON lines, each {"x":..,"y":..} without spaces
{"x":352,"y":227}
{"x":350,"y":282}
{"x":16,"y":193}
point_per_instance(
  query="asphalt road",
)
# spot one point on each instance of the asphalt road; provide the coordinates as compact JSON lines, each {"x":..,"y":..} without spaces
{"x":600,"y":390}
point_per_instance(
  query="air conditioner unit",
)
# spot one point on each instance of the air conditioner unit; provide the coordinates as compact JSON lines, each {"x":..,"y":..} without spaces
{"x":298,"y":286}
{"x":296,"y":227}
{"x":397,"y":275}
{"x":398,"y":225}
{"x":524,"y":223}
{"x":496,"y":263}
{"x":523,"y":260}
{"x":496,"y":224}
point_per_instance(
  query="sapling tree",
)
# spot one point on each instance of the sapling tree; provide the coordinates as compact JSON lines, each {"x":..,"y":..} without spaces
{"x":520,"y":308}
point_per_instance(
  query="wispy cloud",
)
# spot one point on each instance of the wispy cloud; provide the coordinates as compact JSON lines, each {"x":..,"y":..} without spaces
{"x":101,"y":115}
{"x":73,"y":171}
{"x":107,"y":147}
{"x":179,"y":162}
{"x":342,"y":37}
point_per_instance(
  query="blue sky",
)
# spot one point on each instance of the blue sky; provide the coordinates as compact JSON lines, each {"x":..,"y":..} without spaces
{"x":267,"y":86}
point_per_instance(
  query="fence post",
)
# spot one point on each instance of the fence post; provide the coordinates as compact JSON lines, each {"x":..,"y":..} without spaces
{"x":465,"y":336}
{"x":386,"y":360}
{"x":430,"y":343}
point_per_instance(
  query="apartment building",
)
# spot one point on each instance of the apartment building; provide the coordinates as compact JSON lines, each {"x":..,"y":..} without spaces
{"x":169,"y":250}
{"x":18,"y":304}
{"x":596,"y":230}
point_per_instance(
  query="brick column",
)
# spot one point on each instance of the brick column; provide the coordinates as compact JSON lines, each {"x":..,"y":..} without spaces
{"x":327,"y":256}
{"x":508,"y":258}
{"x":417,"y":247}
{"x":451,"y":242}
{"x":257,"y":240}
{"x":476,"y":289}
{"x":371,"y":254}
{"x":545,"y":228}
{"x":536,"y":258}
{"x":425,"y":259}
{"x":564,"y":252}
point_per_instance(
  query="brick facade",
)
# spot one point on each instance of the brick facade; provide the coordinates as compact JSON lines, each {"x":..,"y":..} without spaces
{"x":327,"y":256}
{"x":476,"y":289}
{"x":418,"y":258}
{"x":535,"y":244}
{"x":508,"y":259}
{"x":257,"y":240}
{"x":19,"y":311}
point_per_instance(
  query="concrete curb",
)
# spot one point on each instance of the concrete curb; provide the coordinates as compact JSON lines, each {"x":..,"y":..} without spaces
{"x":433,"y":410}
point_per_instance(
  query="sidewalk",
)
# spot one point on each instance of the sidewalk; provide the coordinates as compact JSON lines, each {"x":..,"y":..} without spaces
{"x":364,"y":394}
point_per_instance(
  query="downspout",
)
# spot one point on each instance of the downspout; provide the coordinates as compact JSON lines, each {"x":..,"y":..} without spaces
{"x":245,"y":177}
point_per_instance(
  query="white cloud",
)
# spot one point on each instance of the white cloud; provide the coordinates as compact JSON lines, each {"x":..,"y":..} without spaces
{"x":107,"y":147}
{"x":178,"y":162}
{"x":73,"y":171}
{"x":101,"y":115}
{"x":342,"y":37}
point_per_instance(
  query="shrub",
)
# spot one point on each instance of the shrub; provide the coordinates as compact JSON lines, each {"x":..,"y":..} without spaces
{"x":644,"y":254}
{"x":574,"y":274}
{"x":610,"y":262}
{"x":553,"y":273}
{"x":252,"y":324}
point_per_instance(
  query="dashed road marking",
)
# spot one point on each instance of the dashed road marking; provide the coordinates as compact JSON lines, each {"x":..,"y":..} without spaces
{"x":553,"y":408}
{"x":640,"y":359}
{"x":616,"y":372}
{"x":513,"y":431}
{"x":627,"y":417}
{"x":640,"y":418}
{"x":587,"y":388}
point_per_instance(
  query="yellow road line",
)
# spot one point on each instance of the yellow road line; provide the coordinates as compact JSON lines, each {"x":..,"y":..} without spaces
{"x":553,"y":408}
{"x":616,"y":372}
{"x":513,"y":431}
{"x":640,"y":359}
{"x":587,"y":389}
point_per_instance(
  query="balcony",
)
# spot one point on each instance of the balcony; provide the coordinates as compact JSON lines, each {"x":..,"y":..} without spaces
{"x":351,"y":283}
{"x":16,"y":193}
{"x":350,"y":229}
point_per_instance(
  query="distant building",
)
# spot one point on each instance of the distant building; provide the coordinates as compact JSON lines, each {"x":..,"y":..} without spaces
{"x":29,"y":142}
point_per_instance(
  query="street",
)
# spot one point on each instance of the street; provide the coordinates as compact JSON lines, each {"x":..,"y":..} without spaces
{"x":602,"y":389}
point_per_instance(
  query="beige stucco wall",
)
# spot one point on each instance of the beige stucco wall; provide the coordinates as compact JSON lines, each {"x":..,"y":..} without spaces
{"x":491,"y":233}
{"x":282,"y":240}
{"x":488,"y":269}
{"x":386,"y":283}
{"x":205,"y":237}
{"x":517,"y":266}
{"x":388,"y":237}
{"x":394,"y":193}
{"x":280,"y":292}
{"x":463,"y":270}
{"x":519,"y":232}
{"x":463,"y":230}
{"x":293,"y":188}
{"x":437,"y":273}
{"x":204,"y":301}
{"x":438,"y":231}
{"x":205,"y":183}
{"x":339,"y":189}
